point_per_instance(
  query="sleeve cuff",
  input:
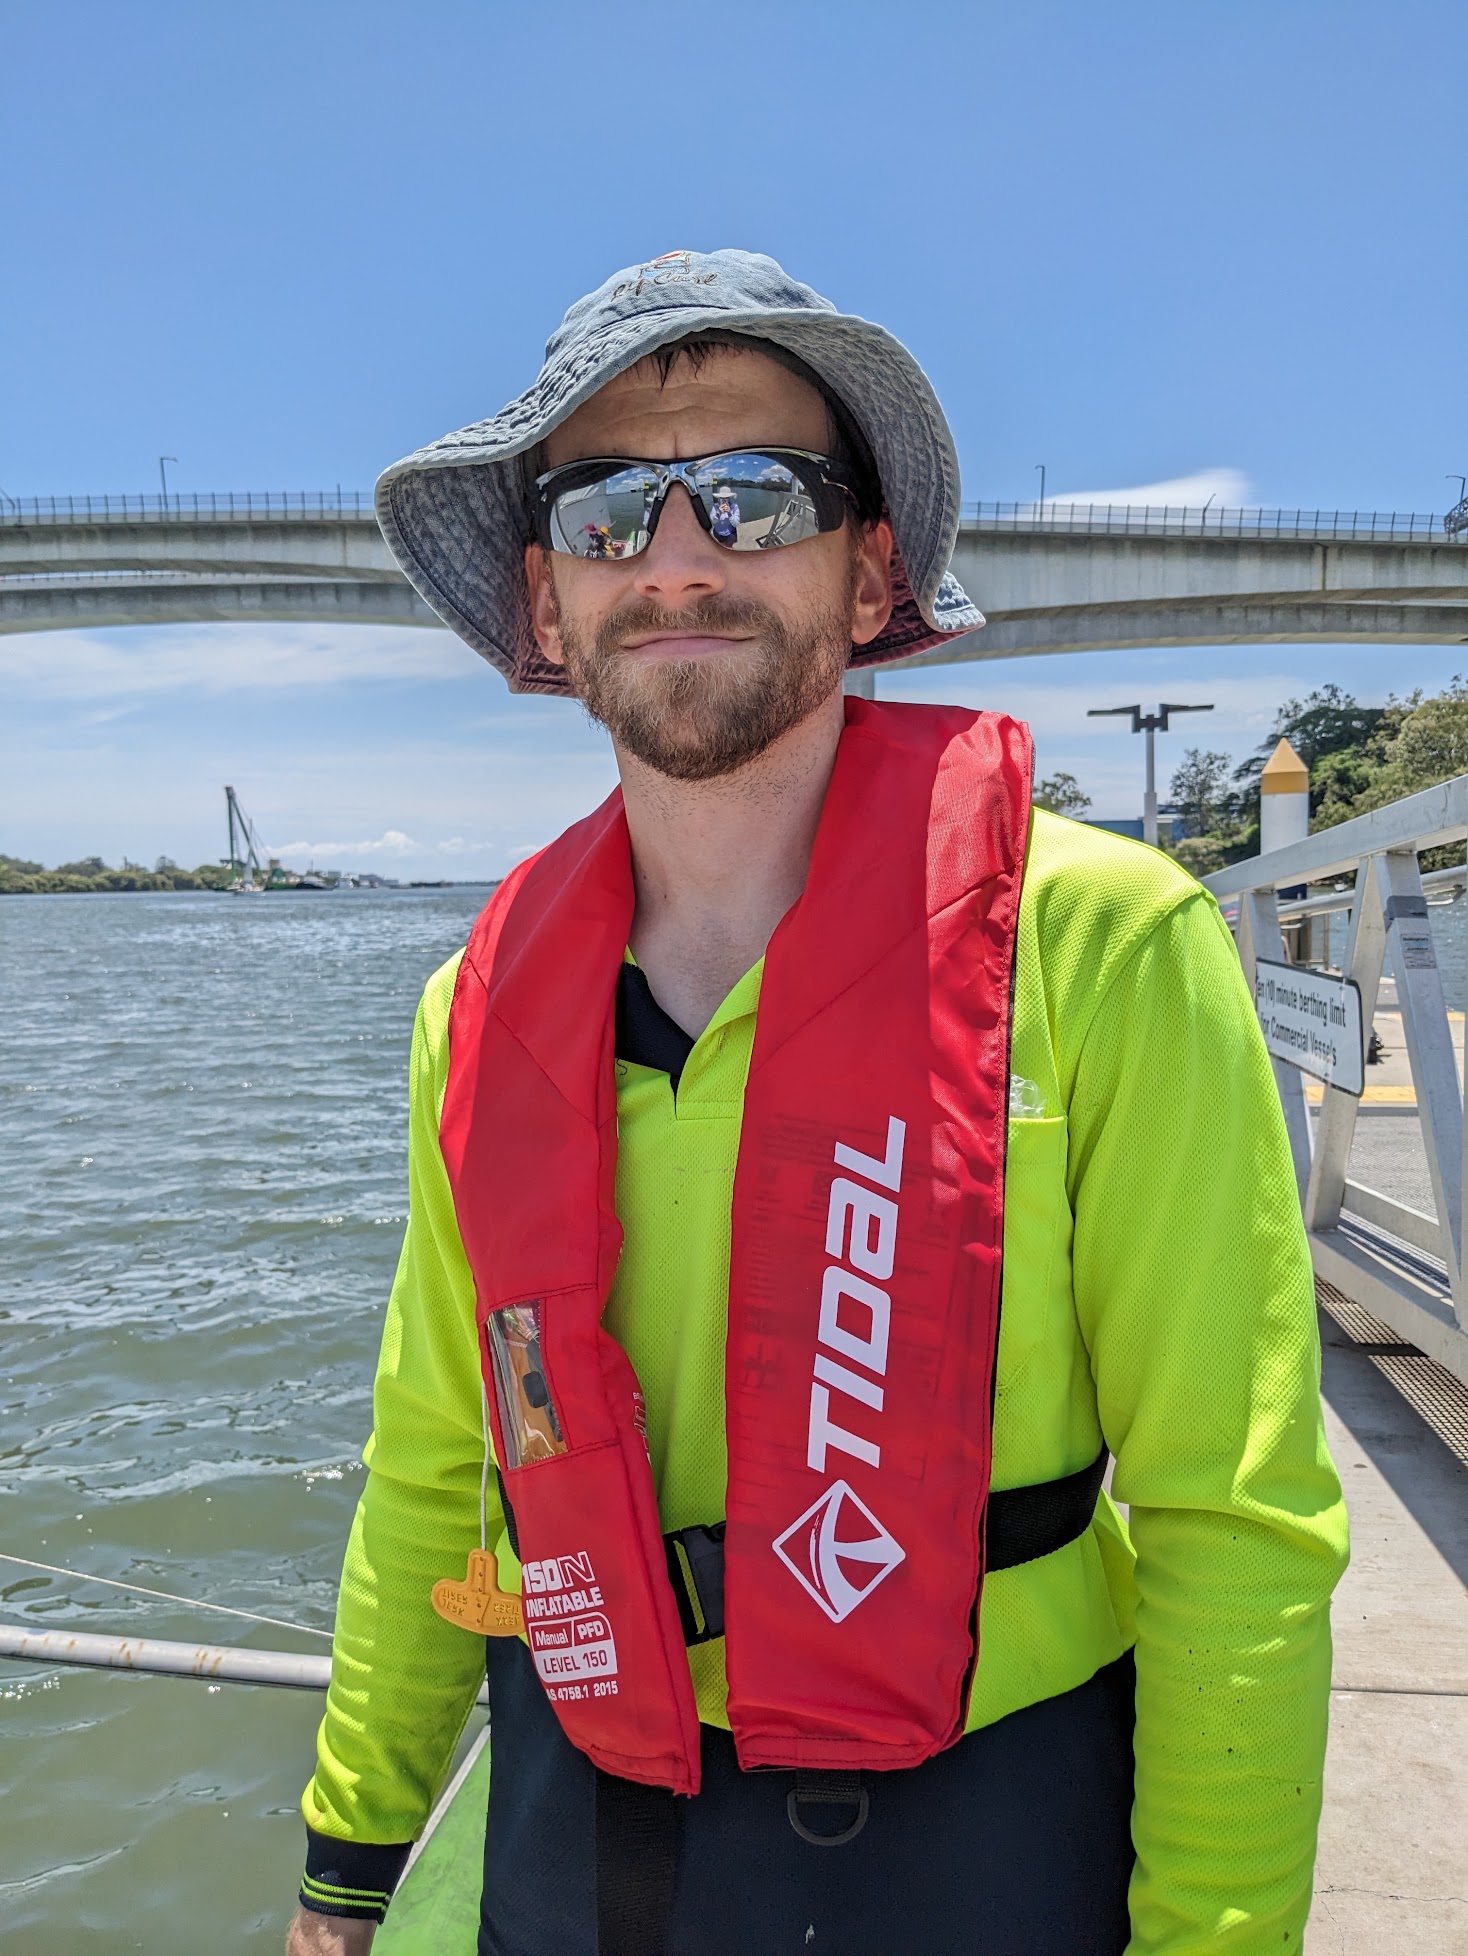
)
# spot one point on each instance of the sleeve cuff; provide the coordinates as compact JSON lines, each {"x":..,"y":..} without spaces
{"x":352,"y":1878}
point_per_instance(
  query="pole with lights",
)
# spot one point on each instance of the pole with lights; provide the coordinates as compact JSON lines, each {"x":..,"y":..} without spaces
{"x":1150,"y":724}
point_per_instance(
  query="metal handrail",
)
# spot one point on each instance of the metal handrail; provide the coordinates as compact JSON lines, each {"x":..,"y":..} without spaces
{"x":1343,"y":897}
{"x":1364,"y":1241}
{"x":1059,"y":517}
{"x":217,"y":506}
{"x":1067,"y":518}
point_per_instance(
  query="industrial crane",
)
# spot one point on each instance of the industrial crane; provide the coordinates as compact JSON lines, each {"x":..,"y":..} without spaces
{"x":244,"y":845}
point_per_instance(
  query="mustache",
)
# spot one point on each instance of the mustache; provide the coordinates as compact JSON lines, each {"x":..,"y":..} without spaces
{"x":714,"y":615}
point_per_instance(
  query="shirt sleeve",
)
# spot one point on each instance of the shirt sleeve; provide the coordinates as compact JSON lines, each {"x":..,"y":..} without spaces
{"x":402,"y":1679}
{"x":1195,"y":1296}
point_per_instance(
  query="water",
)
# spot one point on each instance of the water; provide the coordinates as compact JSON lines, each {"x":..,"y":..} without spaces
{"x":202,"y":1115}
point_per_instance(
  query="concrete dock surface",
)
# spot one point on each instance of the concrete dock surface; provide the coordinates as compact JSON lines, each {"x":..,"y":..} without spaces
{"x":1392,"y":1873}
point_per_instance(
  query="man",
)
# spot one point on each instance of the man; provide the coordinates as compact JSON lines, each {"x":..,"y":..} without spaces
{"x":725,"y":526}
{"x":724,"y":1129}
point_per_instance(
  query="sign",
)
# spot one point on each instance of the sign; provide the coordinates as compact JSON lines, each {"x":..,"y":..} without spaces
{"x":1313,"y":1021}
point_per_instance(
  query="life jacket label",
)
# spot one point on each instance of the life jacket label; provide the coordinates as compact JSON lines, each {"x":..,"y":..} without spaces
{"x":570,"y":1638}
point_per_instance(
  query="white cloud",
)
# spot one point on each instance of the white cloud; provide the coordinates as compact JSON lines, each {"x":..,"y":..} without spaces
{"x":1209,"y":488}
{"x":395,"y":843}
{"x":392,"y":842}
{"x":148,"y":661}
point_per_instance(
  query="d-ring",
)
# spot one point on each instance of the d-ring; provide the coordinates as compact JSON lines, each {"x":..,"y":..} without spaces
{"x":846,"y":1796}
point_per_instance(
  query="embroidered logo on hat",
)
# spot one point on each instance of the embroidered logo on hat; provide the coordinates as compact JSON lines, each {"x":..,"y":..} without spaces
{"x":672,"y":268}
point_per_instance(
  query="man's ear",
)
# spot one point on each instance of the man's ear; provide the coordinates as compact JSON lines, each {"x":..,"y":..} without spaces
{"x":871,"y":597}
{"x":545,"y":617}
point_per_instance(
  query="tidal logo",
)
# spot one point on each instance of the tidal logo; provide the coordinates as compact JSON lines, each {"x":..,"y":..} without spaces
{"x":838,"y":1551}
{"x":856,"y":1312}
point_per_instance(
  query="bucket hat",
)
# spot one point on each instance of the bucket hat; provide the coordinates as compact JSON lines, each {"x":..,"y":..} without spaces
{"x":456,"y":515}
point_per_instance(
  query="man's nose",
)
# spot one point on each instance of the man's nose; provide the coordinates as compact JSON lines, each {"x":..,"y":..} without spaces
{"x":682,"y":563}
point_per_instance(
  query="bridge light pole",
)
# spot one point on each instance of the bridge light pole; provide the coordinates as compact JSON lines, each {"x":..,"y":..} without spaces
{"x":1041,"y":467}
{"x":163,"y":475}
{"x":1150,"y":724}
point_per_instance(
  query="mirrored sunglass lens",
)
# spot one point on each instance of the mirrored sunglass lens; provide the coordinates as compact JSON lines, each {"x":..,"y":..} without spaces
{"x":606,"y":518}
{"x":755,"y":502}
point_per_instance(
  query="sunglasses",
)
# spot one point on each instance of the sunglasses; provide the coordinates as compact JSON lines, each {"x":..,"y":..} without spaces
{"x":749,"y":499}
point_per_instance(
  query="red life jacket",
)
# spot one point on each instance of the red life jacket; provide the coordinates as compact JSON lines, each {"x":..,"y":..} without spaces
{"x":867,"y":1235}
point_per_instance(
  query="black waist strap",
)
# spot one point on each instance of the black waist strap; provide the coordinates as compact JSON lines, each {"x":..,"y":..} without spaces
{"x":1024,"y":1523}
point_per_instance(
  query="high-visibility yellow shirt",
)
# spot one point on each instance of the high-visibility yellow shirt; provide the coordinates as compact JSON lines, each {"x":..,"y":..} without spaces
{"x":1157,"y":1292}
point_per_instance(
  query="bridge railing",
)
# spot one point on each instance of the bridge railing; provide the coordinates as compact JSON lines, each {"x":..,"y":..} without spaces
{"x":1062,"y":518}
{"x":1405,"y":1267}
{"x":222,"y":506}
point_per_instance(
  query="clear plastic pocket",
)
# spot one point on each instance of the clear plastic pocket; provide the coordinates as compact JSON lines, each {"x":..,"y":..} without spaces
{"x":528,"y":1417}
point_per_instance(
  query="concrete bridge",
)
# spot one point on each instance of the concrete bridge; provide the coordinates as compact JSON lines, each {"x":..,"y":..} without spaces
{"x":1065,"y":578}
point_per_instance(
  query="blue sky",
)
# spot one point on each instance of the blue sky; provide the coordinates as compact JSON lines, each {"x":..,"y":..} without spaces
{"x":289,"y":243}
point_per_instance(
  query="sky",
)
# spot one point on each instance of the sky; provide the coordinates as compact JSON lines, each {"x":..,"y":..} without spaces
{"x":289,"y":243}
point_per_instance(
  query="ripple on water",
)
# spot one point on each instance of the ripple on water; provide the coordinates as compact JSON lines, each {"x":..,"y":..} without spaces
{"x":202,"y":1117}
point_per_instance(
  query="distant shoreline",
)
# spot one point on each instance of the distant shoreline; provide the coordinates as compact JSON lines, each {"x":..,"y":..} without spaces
{"x":165,"y":889}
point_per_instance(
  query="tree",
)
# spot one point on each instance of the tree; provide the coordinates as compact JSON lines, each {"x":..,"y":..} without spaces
{"x":1327,"y":721}
{"x":163,"y":865}
{"x":1062,"y":794}
{"x":1431,"y":743}
{"x":1200,"y":788}
{"x":1419,"y":743}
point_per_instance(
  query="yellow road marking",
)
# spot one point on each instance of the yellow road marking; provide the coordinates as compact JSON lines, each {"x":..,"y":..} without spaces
{"x":1403,"y":1096}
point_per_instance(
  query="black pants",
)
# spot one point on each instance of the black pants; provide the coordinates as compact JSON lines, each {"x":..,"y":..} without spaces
{"x":1014,"y":1842}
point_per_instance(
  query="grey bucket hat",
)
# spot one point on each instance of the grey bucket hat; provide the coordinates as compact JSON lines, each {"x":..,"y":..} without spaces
{"x":456,"y":514}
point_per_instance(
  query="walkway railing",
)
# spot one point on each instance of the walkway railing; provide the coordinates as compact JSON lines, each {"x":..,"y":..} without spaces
{"x":1403,"y":1266}
{"x":1059,"y":518}
{"x":1063,"y":518}
{"x":237,"y":506}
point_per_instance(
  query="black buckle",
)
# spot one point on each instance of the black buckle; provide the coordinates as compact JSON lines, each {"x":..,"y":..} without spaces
{"x":696,"y":1570}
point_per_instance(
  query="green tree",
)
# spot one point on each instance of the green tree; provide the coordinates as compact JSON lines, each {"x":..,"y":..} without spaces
{"x":1328,"y":721}
{"x":1062,"y":794}
{"x":1199,"y":787}
{"x":1431,"y":742}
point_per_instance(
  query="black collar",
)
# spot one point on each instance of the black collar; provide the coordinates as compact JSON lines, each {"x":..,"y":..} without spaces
{"x":645,"y":1033}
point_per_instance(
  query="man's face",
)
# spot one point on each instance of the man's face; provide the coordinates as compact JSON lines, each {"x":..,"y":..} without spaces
{"x":697,"y":658}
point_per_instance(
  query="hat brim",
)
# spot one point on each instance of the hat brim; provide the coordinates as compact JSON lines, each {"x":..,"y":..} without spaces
{"x":456,"y":514}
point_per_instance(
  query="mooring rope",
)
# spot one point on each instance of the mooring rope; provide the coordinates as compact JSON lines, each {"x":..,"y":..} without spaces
{"x":165,"y":1595}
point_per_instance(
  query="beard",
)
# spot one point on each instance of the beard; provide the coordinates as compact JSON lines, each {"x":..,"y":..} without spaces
{"x":697,"y":719}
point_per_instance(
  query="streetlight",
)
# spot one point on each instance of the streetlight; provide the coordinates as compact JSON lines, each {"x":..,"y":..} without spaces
{"x":1041,"y":467}
{"x":1149,"y":724}
{"x":163,"y":475}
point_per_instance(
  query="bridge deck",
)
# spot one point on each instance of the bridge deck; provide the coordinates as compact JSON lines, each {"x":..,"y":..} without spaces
{"x":1069,"y":579}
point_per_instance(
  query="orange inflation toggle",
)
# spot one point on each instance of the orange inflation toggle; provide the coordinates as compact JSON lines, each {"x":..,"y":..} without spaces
{"x":478,"y":1603}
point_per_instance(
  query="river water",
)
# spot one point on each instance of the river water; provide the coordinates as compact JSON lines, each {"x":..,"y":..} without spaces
{"x":202,"y":1107}
{"x":202,"y":1114}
